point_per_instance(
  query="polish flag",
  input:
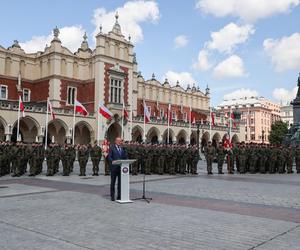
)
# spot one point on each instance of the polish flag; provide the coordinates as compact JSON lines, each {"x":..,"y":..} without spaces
{"x":79,"y":108}
{"x":104,"y":111}
{"x":212,"y":114}
{"x":21,"y":106}
{"x":146,"y":113}
{"x":51,"y":109}
{"x":125,"y":113}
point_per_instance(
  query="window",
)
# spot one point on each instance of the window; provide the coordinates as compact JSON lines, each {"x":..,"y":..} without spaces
{"x":3,"y":92}
{"x":161,"y":113}
{"x":26,"y":95}
{"x":149,"y":109}
{"x":71,"y":95}
{"x":252,"y":137}
{"x":185,"y":116}
{"x":173,"y":115}
{"x":116,"y":93}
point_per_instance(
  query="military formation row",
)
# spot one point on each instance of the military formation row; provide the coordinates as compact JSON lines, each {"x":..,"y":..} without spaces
{"x":151,"y":159}
{"x":14,"y":158}
{"x":253,"y":158}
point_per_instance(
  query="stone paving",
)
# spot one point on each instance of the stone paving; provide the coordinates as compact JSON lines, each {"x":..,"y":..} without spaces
{"x":187,"y":212}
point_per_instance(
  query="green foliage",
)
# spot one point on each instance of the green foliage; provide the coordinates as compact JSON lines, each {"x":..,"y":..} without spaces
{"x":279,"y":129}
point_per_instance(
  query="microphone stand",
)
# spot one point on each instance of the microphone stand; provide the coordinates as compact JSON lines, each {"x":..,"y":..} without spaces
{"x":147,"y":199}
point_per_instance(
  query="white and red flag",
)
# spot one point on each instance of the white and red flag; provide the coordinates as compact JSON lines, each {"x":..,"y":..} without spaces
{"x":50,"y":109}
{"x":21,"y":107}
{"x":104,"y":111}
{"x":79,"y":108}
{"x":146,"y":113}
{"x":212,"y":114}
{"x":125,"y":112}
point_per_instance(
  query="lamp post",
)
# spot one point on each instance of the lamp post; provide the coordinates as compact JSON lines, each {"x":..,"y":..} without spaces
{"x":263,"y":136}
{"x":198,"y":134}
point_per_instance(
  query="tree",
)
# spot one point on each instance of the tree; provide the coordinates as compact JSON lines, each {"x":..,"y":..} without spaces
{"x":279,"y":129}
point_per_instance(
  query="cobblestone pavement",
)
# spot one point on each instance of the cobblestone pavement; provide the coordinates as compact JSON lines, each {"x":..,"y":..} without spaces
{"x":187,"y":212}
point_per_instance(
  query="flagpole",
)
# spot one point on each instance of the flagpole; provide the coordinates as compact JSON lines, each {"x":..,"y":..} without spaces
{"x":190,"y":129}
{"x":230,"y":125}
{"x":73,"y":134}
{"x":123,"y":113}
{"x":144,"y":121}
{"x":169,"y":124}
{"x":46,"y":125}
{"x":210,"y":124}
{"x":18,"y":124}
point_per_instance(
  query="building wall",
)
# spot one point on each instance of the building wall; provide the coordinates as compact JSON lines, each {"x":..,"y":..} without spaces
{"x":49,"y":73}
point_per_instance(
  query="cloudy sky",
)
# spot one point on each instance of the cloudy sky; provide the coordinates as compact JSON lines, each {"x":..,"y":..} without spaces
{"x":238,"y":47}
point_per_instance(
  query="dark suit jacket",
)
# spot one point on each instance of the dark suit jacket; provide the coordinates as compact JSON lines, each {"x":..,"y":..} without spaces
{"x":115,"y":155}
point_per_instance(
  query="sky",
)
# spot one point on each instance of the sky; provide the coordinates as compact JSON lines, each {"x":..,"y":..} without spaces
{"x":239,"y":48}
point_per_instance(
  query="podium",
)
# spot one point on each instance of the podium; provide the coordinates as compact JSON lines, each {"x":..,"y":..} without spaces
{"x":124,"y":164}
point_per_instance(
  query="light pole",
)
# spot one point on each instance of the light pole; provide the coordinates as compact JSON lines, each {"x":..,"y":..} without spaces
{"x":263,"y":136}
{"x":198,"y":134}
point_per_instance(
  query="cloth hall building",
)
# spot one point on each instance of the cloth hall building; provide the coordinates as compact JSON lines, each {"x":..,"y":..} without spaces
{"x":108,"y":73}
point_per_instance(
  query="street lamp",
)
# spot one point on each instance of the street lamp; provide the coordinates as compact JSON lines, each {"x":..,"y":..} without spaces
{"x":263,"y":136}
{"x":198,"y":134}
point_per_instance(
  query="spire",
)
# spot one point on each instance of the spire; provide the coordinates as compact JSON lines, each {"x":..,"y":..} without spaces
{"x":117,"y":28}
{"x":153,"y":76}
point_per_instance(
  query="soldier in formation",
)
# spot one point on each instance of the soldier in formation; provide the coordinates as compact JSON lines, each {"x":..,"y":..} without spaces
{"x":162,"y":158}
{"x":254,"y":158}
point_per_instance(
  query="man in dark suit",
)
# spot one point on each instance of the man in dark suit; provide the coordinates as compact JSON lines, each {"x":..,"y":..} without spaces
{"x":116,"y":152}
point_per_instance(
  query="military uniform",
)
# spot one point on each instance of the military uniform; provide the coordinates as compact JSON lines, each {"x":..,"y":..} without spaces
{"x":242,"y":159}
{"x":297,"y":159}
{"x":220,"y":152}
{"x":83,"y":155}
{"x":209,"y":152}
{"x":96,"y":154}
{"x":50,"y":160}
{"x":33,"y":160}
{"x":195,"y":157}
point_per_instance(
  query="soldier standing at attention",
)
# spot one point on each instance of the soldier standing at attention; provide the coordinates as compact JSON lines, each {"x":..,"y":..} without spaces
{"x":195,"y":157}
{"x":209,"y":152}
{"x":96,"y":154}
{"x":242,"y":158}
{"x":65,"y":159}
{"x":33,"y":160}
{"x":221,"y":152}
{"x":83,"y":156}
{"x":50,"y":160}
{"x":161,"y":159}
{"x":182,"y":154}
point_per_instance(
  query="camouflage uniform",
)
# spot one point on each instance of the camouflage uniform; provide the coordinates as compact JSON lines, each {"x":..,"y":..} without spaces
{"x":209,"y":152}
{"x":96,"y":154}
{"x":83,"y":155}
{"x":220,"y":151}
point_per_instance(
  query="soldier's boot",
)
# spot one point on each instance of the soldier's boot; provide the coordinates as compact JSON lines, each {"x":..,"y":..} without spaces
{"x":97,"y":168}
{"x":290,"y":169}
{"x":220,"y":169}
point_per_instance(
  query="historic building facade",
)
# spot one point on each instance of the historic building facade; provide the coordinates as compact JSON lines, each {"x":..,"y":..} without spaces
{"x":107,"y":74}
{"x":257,"y":114}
